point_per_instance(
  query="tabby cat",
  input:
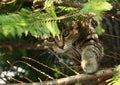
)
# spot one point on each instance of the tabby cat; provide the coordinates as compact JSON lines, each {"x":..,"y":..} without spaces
{"x":80,"y":43}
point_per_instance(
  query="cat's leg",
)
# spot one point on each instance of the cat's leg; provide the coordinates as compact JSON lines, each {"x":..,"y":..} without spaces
{"x":90,"y":57}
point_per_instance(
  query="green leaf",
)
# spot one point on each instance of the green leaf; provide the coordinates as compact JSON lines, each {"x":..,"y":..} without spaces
{"x":37,"y":24}
{"x":52,"y":26}
{"x":115,"y":80}
{"x":99,"y":30}
{"x":97,"y":7}
{"x":49,"y":3}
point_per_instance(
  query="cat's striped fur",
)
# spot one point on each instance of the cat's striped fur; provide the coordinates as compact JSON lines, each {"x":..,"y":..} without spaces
{"x":81,"y":43}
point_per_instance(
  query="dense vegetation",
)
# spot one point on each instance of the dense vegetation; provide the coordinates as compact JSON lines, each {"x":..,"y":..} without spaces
{"x":25,"y":23}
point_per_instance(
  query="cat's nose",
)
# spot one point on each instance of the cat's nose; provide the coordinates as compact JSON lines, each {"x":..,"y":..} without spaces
{"x":61,"y":46}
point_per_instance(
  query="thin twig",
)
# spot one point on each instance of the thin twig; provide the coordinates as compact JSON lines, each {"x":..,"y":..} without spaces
{"x":63,"y":61}
{"x":7,"y":2}
{"x":76,"y":78}
{"x":45,"y":66}
{"x":38,"y":70}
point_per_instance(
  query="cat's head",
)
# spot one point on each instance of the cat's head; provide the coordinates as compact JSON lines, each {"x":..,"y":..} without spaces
{"x":68,"y":35}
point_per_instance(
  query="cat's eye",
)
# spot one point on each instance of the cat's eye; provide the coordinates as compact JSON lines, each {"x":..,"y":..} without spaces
{"x":65,"y":33}
{"x":50,"y":39}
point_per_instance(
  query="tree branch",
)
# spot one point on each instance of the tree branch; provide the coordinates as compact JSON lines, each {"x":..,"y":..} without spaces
{"x":73,"y":79}
{"x":28,"y":46}
{"x":65,"y":3}
{"x":7,"y":2}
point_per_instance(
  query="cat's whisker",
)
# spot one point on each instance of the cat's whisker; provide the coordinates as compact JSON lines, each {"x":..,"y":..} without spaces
{"x":53,"y":60}
{"x":75,"y":53}
{"x":63,"y":61}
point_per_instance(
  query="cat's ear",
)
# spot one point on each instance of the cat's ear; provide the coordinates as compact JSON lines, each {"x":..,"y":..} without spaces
{"x":74,"y":25}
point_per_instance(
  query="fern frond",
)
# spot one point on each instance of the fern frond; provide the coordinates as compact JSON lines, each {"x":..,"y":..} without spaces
{"x":115,"y":80}
{"x":97,"y":7}
{"x":27,"y":22}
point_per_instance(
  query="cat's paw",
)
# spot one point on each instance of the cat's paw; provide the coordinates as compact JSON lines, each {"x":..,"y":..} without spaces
{"x":90,"y":65}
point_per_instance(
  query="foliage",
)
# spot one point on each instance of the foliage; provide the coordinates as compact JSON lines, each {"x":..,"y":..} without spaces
{"x":49,"y":3}
{"x":116,"y":78}
{"x":41,"y":24}
{"x":24,"y":24}
{"x":96,"y":7}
